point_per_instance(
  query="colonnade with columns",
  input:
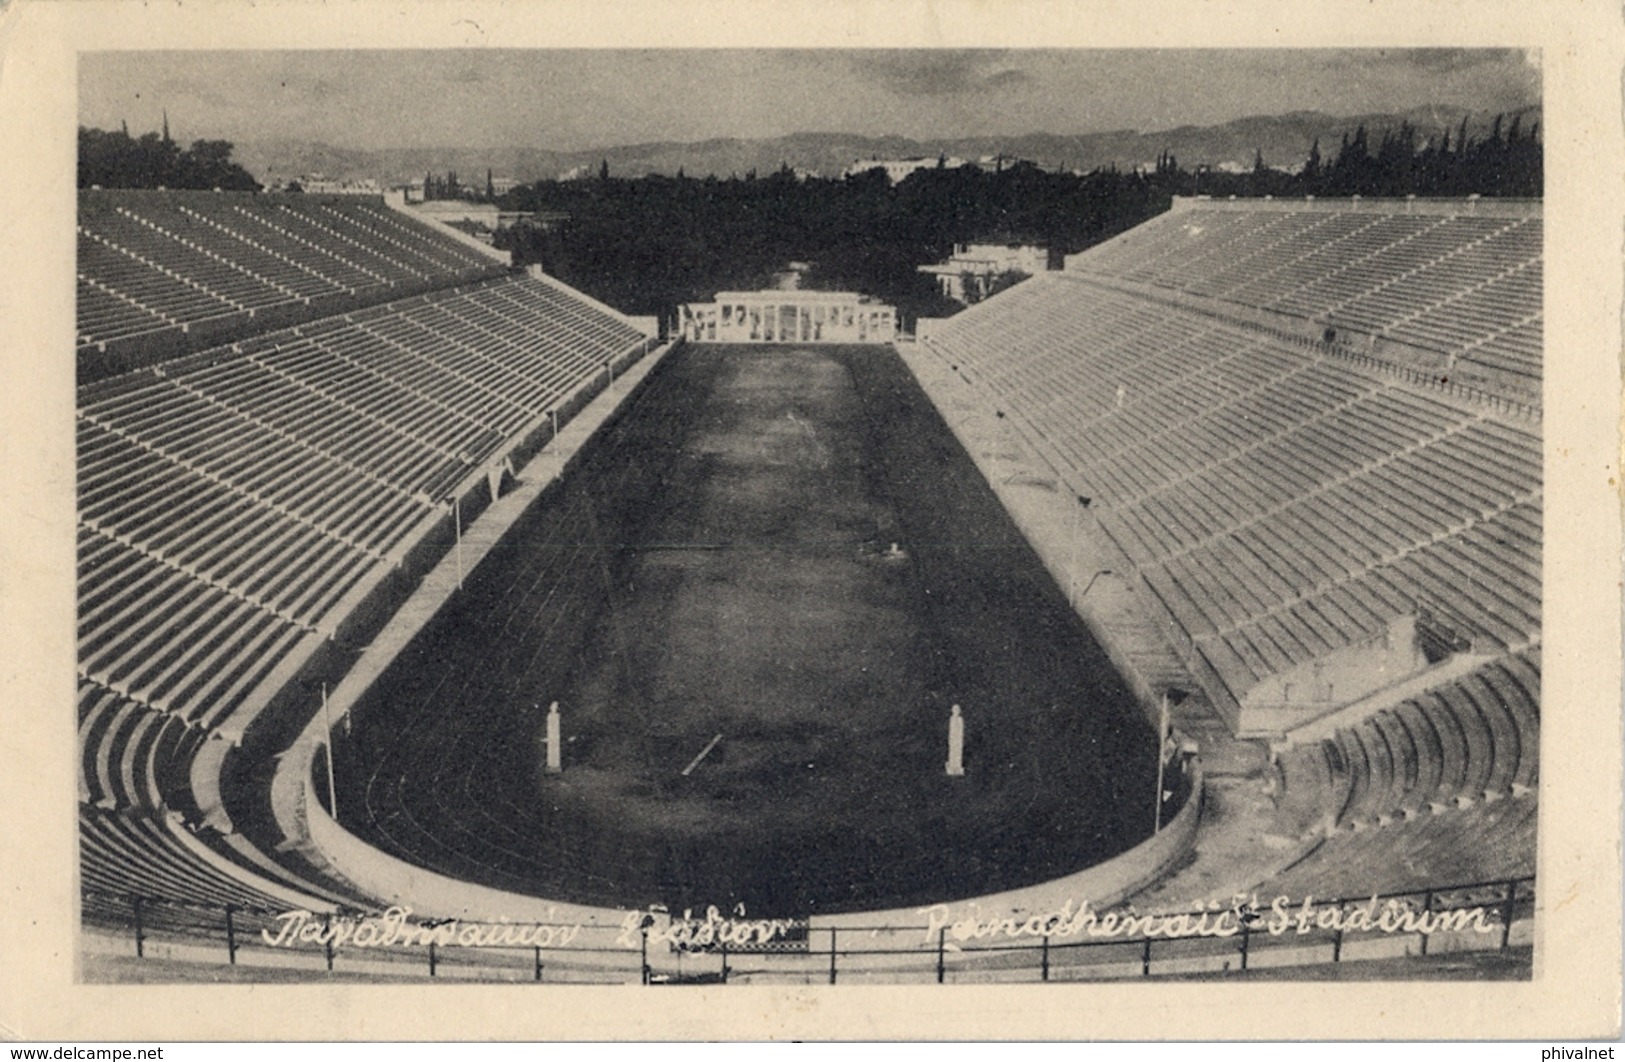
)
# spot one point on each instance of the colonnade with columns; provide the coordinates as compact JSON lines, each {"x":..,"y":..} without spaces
{"x":787,"y":317}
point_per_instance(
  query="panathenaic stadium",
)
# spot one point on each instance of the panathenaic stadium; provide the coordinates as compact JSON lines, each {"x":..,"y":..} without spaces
{"x":1177,"y":612}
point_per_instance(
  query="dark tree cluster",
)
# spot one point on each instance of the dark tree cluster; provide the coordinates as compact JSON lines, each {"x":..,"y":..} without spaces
{"x":449,"y":187}
{"x":649,"y":243}
{"x":978,"y":289}
{"x":441,"y":187}
{"x":153,"y":160}
{"x":646,"y":244}
{"x":1504,"y":160}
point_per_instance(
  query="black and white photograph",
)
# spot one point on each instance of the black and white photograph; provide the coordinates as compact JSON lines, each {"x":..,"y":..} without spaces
{"x":880,"y":514}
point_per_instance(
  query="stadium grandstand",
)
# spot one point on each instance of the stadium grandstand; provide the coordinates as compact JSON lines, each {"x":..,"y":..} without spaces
{"x":1282,"y":458}
{"x":160,"y":271}
{"x":243,"y":506}
{"x":1319,"y":466}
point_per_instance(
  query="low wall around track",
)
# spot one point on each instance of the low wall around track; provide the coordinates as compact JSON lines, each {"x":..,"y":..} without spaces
{"x":547,"y":465}
{"x":605,"y":935}
{"x":393,"y":880}
{"x":429,"y":895}
{"x":1102,"y":886}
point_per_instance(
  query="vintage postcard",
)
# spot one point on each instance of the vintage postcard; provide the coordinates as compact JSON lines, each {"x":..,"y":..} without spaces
{"x":822,"y":509}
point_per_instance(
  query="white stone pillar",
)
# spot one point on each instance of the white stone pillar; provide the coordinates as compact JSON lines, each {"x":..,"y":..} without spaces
{"x":555,"y":757}
{"x":956,"y":744}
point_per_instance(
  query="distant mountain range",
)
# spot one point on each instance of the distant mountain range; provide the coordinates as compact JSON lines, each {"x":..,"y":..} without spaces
{"x":1284,"y":140}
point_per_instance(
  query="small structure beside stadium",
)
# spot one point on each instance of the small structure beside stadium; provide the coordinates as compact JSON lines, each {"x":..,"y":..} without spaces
{"x":788,"y":317}
{"x":969,"y":274}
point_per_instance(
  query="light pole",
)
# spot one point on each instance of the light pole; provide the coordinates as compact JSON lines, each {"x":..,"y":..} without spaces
{"x":457,"y":519}
{"x":1163,"y":733}
{"x":1072,"y":565}
{"x":1162,"y":759}
{"x":332,"y":787}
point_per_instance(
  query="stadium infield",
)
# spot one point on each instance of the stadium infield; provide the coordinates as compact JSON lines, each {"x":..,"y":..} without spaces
{"x":754,"y":682}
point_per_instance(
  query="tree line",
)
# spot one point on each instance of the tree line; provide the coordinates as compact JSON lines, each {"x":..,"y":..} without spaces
{"x":153,"y":160}
{"x":1504,"y":160}
{"x":449,"y":187}
{"x":647,"y":243}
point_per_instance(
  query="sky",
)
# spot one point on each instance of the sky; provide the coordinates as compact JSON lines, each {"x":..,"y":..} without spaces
{"x":578,"y":99}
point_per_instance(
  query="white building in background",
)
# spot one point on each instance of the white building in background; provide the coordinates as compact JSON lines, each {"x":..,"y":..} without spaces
{"x":967,"y":275}
{"x":898,"y":169}
{"x":476,"y":188}
{"x":787,"y":317}
{"x":480,"y":220}
{"x":318,"y":184}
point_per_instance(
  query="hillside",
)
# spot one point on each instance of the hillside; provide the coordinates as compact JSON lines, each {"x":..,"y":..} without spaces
{"x":1284,"y":141}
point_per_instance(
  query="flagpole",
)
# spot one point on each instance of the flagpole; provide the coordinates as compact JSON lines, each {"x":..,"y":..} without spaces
{"x":1162,"y":758}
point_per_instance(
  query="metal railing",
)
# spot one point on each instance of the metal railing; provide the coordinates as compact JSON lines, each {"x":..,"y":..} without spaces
{"x":1070,"y":944}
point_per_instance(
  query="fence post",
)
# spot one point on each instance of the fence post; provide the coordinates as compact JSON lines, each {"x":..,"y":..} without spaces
{"x":1044,"y":959}
{"x":1427,"y":909}
{"x":1337,"y":938}
{"x":538,"y":950}
{"x":1506,"y":915}
{"x":327,"y":940}
{"x":1145,"y":958}
{"x":1246,"y":939}
{"x":643,"y":951}
{"x":431,"y":958}
{"x":831,"y":954}
{"x":942,"y":941}
{"x":231,"y":938}
{"x":140,"y":934}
